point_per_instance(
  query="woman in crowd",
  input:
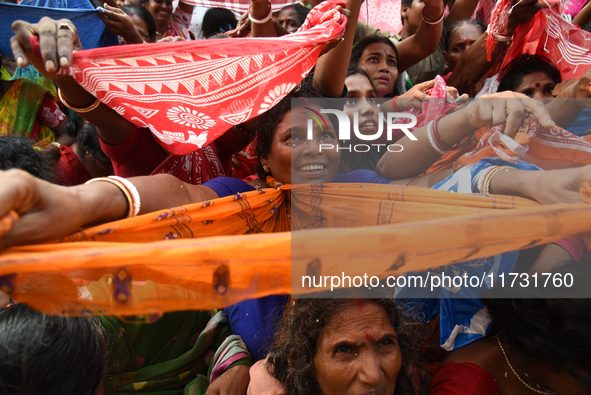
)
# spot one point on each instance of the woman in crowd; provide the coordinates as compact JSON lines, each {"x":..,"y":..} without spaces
{"x":182,"y":352}
{"x":531,"y":75}
{"x":216,"y":21}
{"x":143,"y":21}
{"x":291,"y":17}
{"x":28,"y":110}
{"x":169,"y":22}
{"x":535,"y":346}
{"x":459,"y":38}
{"x":341,"y":346}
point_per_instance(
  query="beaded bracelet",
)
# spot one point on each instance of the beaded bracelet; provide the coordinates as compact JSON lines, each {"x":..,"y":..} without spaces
{"x":78,"y":110}
{"x":260,"y":21}
{"x":429,"y":21}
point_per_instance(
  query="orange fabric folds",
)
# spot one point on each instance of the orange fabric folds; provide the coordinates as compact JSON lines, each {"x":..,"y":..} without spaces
{"x":217,"y":253}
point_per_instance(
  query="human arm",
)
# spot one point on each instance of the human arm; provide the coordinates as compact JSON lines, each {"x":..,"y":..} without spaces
{"x":56,"y":46}
{"x":418,"y":155}
{"x":461,"y":9}
{"x":49,"y":211}
{"x":188,"y":8}
{"x":119,"y":23}
{"x":331,"y":67}
{"x":424,"y":42}
{"x":571,"y":96}
{"x":259,"y":9}
{"x":584,"y":16}
{"x":233,"y":381}
{"x":473,"y":64}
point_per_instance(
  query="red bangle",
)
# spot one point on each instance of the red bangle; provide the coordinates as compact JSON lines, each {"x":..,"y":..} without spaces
{"x":394,"y":106}
{"x":429,"y":21}
{"x":440,"y":142}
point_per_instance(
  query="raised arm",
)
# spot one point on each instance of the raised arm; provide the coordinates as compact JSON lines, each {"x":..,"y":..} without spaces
{"x":474,"y":64}
{"x":57,"y":40}
{"x":424,"y":42}
{"x":418,"y":155}
{"x":331,"y":67}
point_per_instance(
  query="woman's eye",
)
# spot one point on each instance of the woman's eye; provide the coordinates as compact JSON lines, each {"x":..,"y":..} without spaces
{"x":548,"y":92}
{"x":351,"y":102}
{"x":344,"y":350}
{"x":326,"y":136}
{"x":391,"y":63}
{"x":372,"y":59}
{"x":371,"y":99}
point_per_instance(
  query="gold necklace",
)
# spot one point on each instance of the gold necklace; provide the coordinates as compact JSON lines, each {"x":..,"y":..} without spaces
{"x":547,"y":392}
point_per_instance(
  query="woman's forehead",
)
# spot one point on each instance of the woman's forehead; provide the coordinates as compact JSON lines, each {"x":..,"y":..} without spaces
{"x":379,"y":48}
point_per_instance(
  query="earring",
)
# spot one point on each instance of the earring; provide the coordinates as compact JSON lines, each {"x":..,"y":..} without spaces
{"x":266,"y":169}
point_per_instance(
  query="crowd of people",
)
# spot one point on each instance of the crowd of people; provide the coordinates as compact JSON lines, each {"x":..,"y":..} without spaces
{"x":489,"y":113}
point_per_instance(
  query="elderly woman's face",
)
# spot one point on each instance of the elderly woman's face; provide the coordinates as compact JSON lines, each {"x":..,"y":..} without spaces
{"x":358,"y":353}
{"x":295,"y":159}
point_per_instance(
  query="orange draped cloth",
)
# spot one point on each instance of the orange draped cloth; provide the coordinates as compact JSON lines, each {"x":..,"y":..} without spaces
{"x":179,"y":258}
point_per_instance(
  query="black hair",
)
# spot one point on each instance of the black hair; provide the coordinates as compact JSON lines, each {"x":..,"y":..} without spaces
{"x":360,"y":47}
{"x":301,"y":11}
{"x":144,"y":15}
{"x":554,"y":332}
{"x":407,"y":3}
{"x":291,"y":359}
{"x":448,"y":32}
{"x":50,"y":355}
{"x":88,"y":142}
{"x":356,"y":70}
{"x":524,"y":65}
{"x":18,"y":153}
{"x":267,"y":123}
{"x":218,"y":20}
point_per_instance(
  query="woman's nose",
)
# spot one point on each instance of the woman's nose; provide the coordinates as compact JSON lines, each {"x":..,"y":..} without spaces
{"x":370,"y":372}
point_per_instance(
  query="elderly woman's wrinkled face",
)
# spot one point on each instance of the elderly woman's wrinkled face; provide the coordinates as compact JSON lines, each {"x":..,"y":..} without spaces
{"x":380,"y":62}
{"x":459,"y":41}
{"x":295,"y":159}
{"x":358,"y":353}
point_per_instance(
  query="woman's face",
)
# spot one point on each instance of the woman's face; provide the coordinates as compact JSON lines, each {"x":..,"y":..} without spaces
{"x":358,"y":353}
{"x":379,"y":60}
{"x":361,"y":99}
{"x":295,"y":159}
{"x":459,"y":41}
{"x":161,"y":10}
{"x":142,"y":29}
{"x":538,"y":85}
{"x":288,"y":19}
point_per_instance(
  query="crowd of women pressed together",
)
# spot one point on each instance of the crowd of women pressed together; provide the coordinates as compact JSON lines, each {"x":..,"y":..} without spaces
{"x":73,"y":157}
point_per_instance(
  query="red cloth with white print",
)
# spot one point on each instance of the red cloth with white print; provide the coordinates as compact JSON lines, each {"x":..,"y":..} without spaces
{"x":547,"y":35}
{"x":189,"y":93}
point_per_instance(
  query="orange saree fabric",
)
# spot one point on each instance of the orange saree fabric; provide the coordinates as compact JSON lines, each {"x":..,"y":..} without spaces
{"x":179,"y":258}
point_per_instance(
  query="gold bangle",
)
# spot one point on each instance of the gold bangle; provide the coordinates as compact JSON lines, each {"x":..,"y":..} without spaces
{"x":488,"y":177}
{"x":78,"y":110}
{"x":123,"y":188}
